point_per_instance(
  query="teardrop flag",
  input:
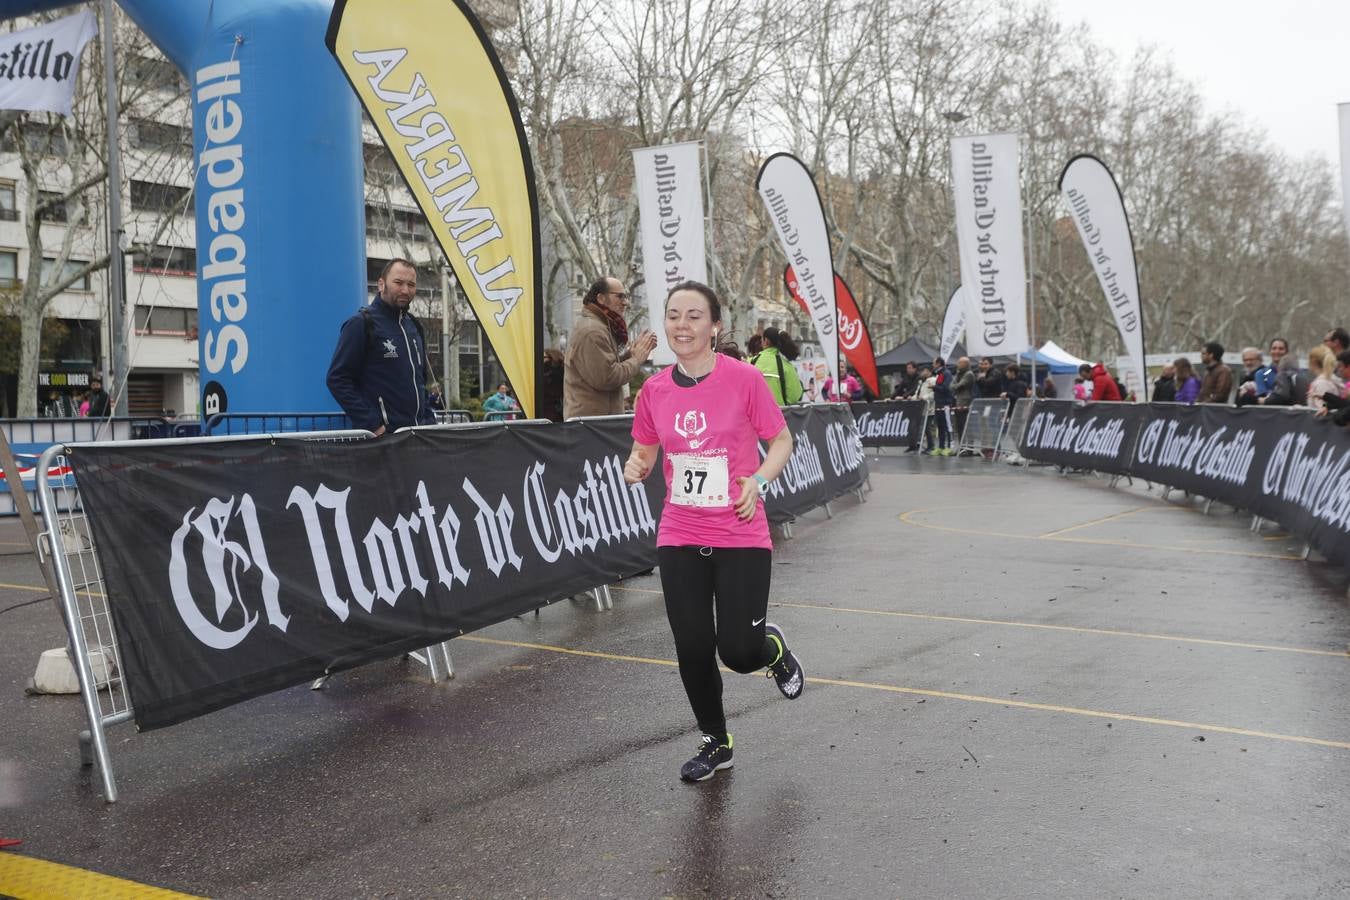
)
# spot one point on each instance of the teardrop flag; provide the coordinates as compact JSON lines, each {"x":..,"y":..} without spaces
{"x":854,"y":338}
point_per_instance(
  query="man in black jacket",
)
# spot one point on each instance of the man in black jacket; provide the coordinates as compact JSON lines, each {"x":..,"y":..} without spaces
{"x":988,"y":381}
{"x":98,"y":398}
{"x":379,"y":368}
{"x":1165,"y":388}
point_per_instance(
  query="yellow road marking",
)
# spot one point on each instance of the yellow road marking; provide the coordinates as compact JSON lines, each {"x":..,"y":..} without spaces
{"x":1103,"y":519}
{"x":905,"y":517}
{"x":949,"y":695}
{"x":40,"y":589}
{"x":37,"y":879}
{"x":1111,"y":632}
{"x":1343,"y":654}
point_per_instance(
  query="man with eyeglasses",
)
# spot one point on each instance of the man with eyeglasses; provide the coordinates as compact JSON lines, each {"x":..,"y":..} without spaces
{"x":600,"y":359}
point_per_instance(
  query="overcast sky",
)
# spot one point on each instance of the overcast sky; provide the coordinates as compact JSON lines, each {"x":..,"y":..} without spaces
{"x":1283,"y":66}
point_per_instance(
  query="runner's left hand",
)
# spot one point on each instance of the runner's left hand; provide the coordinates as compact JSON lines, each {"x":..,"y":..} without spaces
{"x":745,"y":506}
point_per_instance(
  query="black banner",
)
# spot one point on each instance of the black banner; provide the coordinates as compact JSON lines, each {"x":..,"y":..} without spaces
{"x":1096,"y":436}
{"x":827,"y":461}
{"x":889,"y":423}
{"x":241,"y":567}
{"x":1285,"y":465}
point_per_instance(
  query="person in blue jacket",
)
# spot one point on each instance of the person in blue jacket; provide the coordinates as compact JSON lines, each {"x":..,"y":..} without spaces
{"x":379,"y":370}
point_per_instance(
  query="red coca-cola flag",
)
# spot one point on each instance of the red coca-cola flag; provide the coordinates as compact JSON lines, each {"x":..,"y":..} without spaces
{"x":854,"y":338}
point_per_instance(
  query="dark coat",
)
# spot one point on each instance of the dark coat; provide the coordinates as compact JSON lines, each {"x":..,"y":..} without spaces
{"x":379,"y":370}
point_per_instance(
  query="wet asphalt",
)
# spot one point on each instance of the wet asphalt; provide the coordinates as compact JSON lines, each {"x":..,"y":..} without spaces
{"x":1022,"y":684}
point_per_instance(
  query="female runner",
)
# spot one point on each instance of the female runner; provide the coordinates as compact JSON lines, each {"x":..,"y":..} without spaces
{"x":708,"y":413}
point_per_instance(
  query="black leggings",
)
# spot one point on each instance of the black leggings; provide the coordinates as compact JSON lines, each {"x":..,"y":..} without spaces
{"x":736,"y":581}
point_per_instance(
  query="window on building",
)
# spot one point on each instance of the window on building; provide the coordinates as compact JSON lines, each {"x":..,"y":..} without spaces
{"x":9,"y":268}
{"x":153,"y":73}
{"x":55,"y":211}
{"x":9,"y":210}
{"x":152,"y":196}
{"x":70,"y":268}
{"x":38,"y":138}
{"x":390,"y":224}
{"x":150,"y":135}
{"x":168,"y":321}
{"x":164,"y":260}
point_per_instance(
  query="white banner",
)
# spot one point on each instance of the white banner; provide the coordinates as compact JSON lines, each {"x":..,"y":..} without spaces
{"x":987,"y":189}
{"x":670,"y":205}
{"x":1098,"y":209}
{"x":38,"y":66}
{"x":789,"y":193}
{"x":953,"y":324}
{"x":1344,"y":110}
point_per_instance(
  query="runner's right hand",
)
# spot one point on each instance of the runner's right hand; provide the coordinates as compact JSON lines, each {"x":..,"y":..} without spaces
{"x":635,"y":469}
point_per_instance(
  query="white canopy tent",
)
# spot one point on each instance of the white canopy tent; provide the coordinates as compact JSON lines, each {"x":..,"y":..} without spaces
{"x":1054,"y":351}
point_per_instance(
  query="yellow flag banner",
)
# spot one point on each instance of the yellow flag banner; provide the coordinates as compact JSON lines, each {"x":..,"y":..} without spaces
{"x":428,"y":76}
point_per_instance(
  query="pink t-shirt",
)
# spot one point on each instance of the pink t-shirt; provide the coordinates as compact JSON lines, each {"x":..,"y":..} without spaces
{"x":722,"y":417}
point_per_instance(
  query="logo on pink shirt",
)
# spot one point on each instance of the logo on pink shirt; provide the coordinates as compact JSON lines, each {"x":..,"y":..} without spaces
{"x":690,"y":425}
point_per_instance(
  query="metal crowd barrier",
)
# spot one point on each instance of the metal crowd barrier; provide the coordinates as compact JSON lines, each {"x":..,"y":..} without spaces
{"x":45,"y":432}
{"x":510,"y":415}
{"x":1011,"y":441}
{"x":453,"y":416}
{"x":984,"y":426}
{"x":69,"y":540}
{"x":274,"y":422}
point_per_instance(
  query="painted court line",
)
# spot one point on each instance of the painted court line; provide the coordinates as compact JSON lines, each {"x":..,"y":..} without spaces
{"x":905,"y":517}
{"x":1102,"y":520}
{"x":25,"y":876}
{"x":1109,"y":632}
{"x":949,"y":695}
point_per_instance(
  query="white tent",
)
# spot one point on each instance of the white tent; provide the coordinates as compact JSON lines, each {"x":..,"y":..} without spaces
{"x":1055,"y":352}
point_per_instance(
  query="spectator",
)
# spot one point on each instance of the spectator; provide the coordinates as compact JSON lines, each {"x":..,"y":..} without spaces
{"x":1266,"y":374}
{"x":853,"y":386}
{"x":988,"y":381}
{"x":98,"y":398}
{"x":1322,"y":367}
{"x":907,"y":385}
{"x":1104,"y":388}
{"x":1085,"y":373}
{"x":1014,"y":388}
{"x":963,"y":385}
{"x":753,"y":345}
{"x":1080,"y":388}
{"x":1048,"y":389}
{"x":379,"y":366}
{"x":1217,"y":386}
{"x":943,"y":401}
{"x":434,"y":397}
{"x":1341,"y":405}
{"x":1279,"y":349}
{"x":1338,"y":340}
{"x":551,"y":386}
{"x":1252,"y":364}
{"x":502,"y":403}
{"x":600,"y":361}
{"x":1165,"y":388}
{"x":1291,"y":385}
{"x":775,"y":364}
{"x":926,"y":385}
{"x":1188,"y":384}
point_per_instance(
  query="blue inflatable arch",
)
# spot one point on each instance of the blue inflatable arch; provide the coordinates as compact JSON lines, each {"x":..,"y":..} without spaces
{"x":279,"y":192}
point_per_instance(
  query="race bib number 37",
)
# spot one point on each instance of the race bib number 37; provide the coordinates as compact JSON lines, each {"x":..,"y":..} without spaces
{"x":699,"y":480}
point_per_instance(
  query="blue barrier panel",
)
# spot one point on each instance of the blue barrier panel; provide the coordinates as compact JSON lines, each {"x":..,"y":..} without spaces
{"x":274,"y":422}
